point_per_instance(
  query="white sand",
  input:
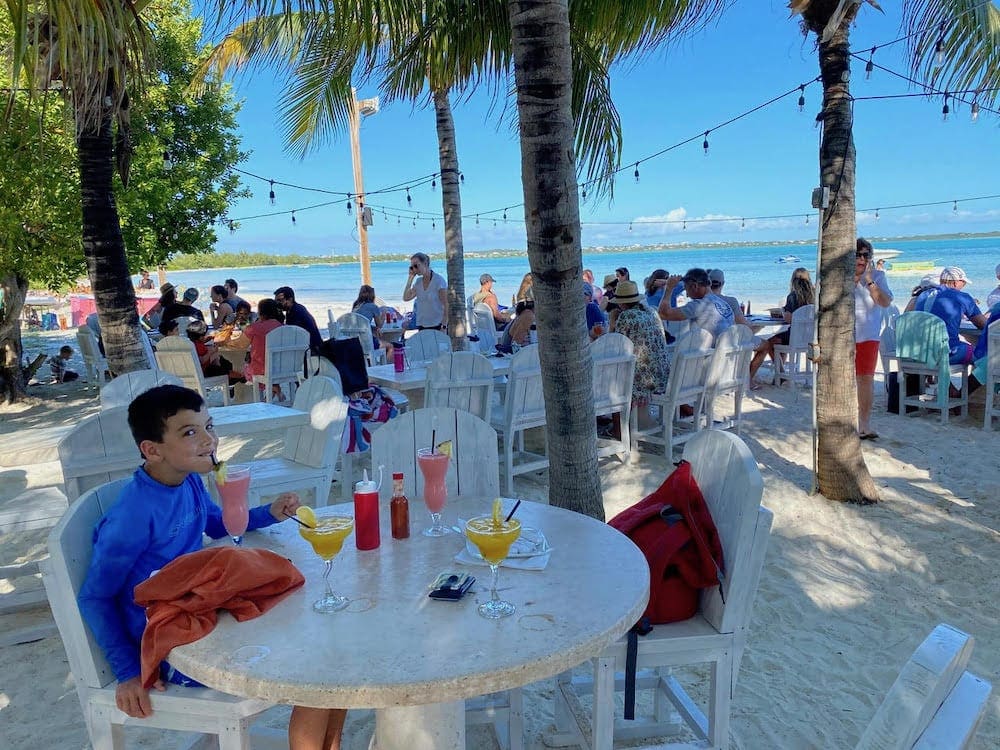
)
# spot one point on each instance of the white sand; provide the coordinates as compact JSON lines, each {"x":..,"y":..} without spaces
{"x":847,"y":592}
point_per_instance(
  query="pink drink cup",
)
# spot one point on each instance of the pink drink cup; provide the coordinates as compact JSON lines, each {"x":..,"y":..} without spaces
{"x":433,"y":466}
{"x":235,"y":513}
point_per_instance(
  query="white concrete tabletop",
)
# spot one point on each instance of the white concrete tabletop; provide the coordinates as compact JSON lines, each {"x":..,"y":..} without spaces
{"x":394,"y":647}
{"x":244,"y":419}
{"x":415,"y":377}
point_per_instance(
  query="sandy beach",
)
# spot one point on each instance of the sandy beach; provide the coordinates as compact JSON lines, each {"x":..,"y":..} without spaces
{"x":846,"y":595}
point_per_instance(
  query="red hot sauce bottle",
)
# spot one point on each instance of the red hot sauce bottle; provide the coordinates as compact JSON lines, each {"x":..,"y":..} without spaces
{"x":399,"y":509}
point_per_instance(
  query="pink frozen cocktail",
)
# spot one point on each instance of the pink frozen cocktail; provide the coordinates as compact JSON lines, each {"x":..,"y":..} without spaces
{"x":434,"y":466}
{"x":233,"y":492}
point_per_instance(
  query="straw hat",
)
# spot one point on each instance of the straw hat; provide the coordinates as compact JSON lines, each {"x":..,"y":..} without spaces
{"x":626,"y":292}
{"x":610,"y":280}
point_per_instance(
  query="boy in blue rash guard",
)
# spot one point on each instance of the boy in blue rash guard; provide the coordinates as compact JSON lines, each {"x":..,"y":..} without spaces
{"x":161,"y":514}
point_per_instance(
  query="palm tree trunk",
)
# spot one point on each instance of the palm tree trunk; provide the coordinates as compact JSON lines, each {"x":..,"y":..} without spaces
{"x":543,"y":74}
{"x":14,"y":289}
{"x":842,"y":473}
{"x":104,"y":247}
{"x":451,"y":202}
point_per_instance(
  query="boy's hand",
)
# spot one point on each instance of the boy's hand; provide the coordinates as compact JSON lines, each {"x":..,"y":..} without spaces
{"x":287,"y":503}
{"x":133,"y":699}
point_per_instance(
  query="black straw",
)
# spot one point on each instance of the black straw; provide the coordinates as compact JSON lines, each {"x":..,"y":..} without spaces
{"x":298,"y":520}
{"x":434,"y":440}
{"x":516,"y":506}
{"x":215,"y":461}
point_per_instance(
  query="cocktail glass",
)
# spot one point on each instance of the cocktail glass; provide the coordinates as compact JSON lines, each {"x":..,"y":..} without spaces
{"x":326,"y":540}
{"x":233,"y":492}
{"x":493,"y":541}
{"x":434,"y":466}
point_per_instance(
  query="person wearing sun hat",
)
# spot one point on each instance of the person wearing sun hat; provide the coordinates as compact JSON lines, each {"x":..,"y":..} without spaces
{"x":704,"y":309}
{"x":951,"y":303}
{"x":642,"y":327}
{"x":607,"y":303}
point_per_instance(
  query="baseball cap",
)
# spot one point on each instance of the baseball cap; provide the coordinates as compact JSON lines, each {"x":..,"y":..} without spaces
{"x":716,"y":276}
{"x":697,"y":276}
{"x":190,"y":294}
{"x":954,"y":273}
{"x":485,"y":277}
{"x":930,"y":279}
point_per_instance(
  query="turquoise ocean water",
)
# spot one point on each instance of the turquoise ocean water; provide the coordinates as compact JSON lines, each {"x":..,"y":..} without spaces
{"x":751,"y":272}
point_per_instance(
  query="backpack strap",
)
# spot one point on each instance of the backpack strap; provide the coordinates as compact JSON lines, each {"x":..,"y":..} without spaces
{"x":642,"y":627}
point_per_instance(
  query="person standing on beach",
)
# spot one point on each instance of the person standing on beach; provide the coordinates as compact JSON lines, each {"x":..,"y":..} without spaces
{"x":298,"y":315}
{"x":704,"y":309}
{"x":871,"y":294}
{"x":430,"y":293}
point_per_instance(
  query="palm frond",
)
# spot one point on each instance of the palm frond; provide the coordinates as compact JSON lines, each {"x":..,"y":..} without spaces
{"x":598,"y":127}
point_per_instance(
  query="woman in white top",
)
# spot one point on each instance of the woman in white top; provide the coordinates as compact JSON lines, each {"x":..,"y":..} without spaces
{"x":871,"y":294}
{"x":430,"y":293}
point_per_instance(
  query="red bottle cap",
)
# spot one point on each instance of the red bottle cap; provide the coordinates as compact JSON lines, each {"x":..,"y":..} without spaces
{"x":397,"y":475}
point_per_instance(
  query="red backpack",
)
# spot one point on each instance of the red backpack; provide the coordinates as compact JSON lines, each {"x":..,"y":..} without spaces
{"x":675,"y":531}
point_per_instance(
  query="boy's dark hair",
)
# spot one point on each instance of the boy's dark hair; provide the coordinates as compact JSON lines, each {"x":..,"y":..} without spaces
{"x":233,"y":284}
{"x":65,"y":349}
{"x":243,"y":305}
{"x":166,"y":326}
{"x":148,"y":413}
{"x":221,"y":291}
{"x":269,"y":310}
{"x":285,"y":291}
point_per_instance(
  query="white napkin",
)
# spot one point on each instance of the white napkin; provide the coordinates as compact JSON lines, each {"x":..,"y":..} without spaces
{"x":535,"y":562}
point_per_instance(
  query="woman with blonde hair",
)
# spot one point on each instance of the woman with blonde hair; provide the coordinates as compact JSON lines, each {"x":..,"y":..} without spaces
{"x":525,"y":291}
{"x":801,"y":293}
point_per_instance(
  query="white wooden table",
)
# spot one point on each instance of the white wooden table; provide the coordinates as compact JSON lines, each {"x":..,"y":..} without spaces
{"x":414,"y":660}
{"x":244,"y":419}
{"x":414,"y":378}
{"x":765,"y":326}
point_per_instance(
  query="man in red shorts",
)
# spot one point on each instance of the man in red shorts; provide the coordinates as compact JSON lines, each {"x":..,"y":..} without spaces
{"x":871,"y":294}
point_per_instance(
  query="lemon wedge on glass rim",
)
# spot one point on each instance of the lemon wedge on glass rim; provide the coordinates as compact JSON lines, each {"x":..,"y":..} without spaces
{"x":306,"y":514}
{"x":444,"y":447}
{"x":220,"y":472}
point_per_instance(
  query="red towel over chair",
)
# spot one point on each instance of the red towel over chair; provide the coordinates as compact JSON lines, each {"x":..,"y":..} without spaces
{"x":183,"y":599}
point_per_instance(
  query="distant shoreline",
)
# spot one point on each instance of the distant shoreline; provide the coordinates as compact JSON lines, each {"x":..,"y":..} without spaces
{"x":229,"y":261}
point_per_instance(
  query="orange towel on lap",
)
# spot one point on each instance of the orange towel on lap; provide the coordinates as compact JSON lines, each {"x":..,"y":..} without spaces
{"x":182,"y":600}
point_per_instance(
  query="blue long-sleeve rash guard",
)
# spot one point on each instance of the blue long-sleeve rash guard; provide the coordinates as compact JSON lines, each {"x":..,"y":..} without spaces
{"x":150,"y":525}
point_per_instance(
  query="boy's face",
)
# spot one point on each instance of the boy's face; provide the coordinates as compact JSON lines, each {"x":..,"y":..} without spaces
{"x":188,"y":443}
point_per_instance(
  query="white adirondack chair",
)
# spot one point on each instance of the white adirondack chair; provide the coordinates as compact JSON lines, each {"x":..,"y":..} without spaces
{"x":474,"y":447}
{"x":179,"y":708}
{"x":522,"y":409}
{"x":358,"y":326}
{"x":485,"y":328}
{"x":922,"y":349}
{"x":176,"y":355}
{"x":124,"y":388}
{"x":614,"y":371}
{"x":934,"y":704}
{"x":728,"y":477}
{"x":992,"y":384}
{"x":99,"y":449}
{"x":463,"y":380}
{"x":426,"y":346}
{"x":308,"y":459}
{"x":686,"y":385}
{"x":94,"y":362}
{"x":285,"y":350}
{"x":728,"y":372}
{"x":791,"y":362}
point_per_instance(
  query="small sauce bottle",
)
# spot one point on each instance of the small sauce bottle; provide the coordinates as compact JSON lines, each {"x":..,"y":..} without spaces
{"x":399,"y":509}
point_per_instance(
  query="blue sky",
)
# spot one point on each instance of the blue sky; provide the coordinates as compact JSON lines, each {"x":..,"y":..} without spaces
{"x":765,"y":164}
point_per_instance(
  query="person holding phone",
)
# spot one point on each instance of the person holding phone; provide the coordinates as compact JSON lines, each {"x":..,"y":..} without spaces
{"x":430,"y":292}
{"x":871,"y":294}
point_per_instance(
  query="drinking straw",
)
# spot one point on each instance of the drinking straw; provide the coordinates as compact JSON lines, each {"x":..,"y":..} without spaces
{"x":516,"y":505}
{"x":434,"y":440}
{"x":297,"y":520}
{"x":215,"y":461}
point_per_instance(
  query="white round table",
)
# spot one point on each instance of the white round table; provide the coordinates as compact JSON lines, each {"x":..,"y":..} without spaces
{"x":415,"y":659}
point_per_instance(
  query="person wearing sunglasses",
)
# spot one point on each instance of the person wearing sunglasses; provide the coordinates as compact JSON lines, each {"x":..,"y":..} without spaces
{"x":871,"y":294}
{"x":430,"y":293}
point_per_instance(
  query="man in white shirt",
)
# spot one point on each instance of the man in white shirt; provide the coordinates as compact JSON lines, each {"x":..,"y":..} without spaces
{"x":704,"y":309}
{"x":430,"y":292}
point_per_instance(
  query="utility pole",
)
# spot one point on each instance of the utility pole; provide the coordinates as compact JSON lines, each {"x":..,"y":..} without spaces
{"x":358,"y":108}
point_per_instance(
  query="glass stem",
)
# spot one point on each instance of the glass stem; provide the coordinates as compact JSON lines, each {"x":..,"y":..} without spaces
{"x":328,"y":564}
{"x":238,"y":540}
{"x":494,"y":577}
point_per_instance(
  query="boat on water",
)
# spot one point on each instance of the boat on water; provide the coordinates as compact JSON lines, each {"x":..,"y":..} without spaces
{"x":789,"y":259}
{"x":886,"y":253}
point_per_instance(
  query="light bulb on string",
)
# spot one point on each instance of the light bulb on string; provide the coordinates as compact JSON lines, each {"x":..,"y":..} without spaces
{"x":819,"y":119}
{"x":494,"y":222}
{"x":585,"y":193}
{"x":461,"y":178}
{"x":870,"y":66}
{"x":939,"y":47}
{"x":802,"y":97}
{"x":636,"y":172}
{"x":293,"y":218}
{"x":434,"y":183}
{"x":630,"y":226}
{"x":704,"y":143}
{"x":167,"y":161}
{"x":876,"y":214}
{"x":685,"y":225}
{"x":945,"y":110}
{"x":232,"y":227}
{"x":348,"y":204}
{"x":414,"y":223}
{"x":743,"y":224}
{"x":807,"y":218}
{"x":398,"y":221}
{"x":505,"y":216}
{"x":477,"y":220}
{"x":954,"y":207}
{"x":433,"y":224}
{"x":409,"y":200}
{"x":974,"y":111}
{"x":272,"y":191}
